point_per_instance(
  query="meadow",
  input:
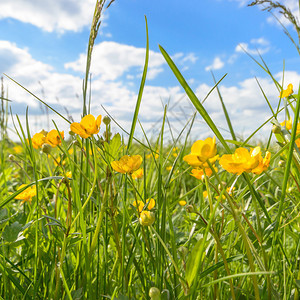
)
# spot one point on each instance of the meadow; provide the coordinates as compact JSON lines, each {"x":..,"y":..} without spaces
{"x":103,"y":215}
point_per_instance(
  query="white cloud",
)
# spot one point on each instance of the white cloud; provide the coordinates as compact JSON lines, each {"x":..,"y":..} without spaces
{"x":35,"y":76}
{"x":258,"y":46}
{"x":190,"y":57}
{"x":110,"y":60}
{"x":216,"y":65}
{"x":244,"y":101}
{"x":50,"y":15}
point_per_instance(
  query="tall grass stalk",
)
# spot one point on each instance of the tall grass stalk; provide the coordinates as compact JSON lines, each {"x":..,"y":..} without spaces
{"x":89,"y":231}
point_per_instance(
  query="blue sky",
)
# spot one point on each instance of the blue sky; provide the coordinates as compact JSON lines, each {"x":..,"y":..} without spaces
{"x":43,"y":47}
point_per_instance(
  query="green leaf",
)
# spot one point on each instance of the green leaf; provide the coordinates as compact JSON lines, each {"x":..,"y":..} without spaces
{"x":193,"y":263}
{"x":194,"y":99}
{"x":142,"y":85}
{"x":113,"y":148}
{"x":11,"y":232}
{"x":3,"y":215}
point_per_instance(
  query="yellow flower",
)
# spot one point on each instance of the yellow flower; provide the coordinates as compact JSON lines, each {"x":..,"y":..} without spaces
{"x":38,"y":140}
{"x":287,"y":92}
{"x":127,"y":164}
{"x":175,"y":151}
{"x":18,"y":149}
{"x":69,"y":174}
{"x":87,"y":126}
{"x":205,"y":194}
{"x":241,"y":161}
{"x":147,"y":218}
{"x":150,"y":155}
{"x":27,"y":194}
{"x":202,"y":151}
{"x":137,"y":174}
{"x":263,"y":164}
{"x":139,"y":204}
{"x":53,"y":137}
{"x":199,"y":173}
{"x":182,"y":202}
{"x":287,"y":124}
{"x":151,"y":203}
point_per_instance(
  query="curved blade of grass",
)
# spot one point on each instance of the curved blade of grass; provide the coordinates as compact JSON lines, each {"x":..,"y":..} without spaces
{"x":288,"y":162}
{"x":236,"y":275}
{"x":38,"y":98}
{"x":194,"y":99}
{"x":139,"y":99}
{"x":2,"y":98}
{"x":219,"y":265}
{"x":225,"y":110}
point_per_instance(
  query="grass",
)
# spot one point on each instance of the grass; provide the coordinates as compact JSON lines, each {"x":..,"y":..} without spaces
{"x":81,"y":236}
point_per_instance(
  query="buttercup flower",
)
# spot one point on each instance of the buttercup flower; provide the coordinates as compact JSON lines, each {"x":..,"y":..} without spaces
{"x":182,"y":202}
{"x":241,"y":161}
{"x":69,"y":174}
{"x":147,"y":218}
{"x":151,"y":203}
{"x":53,"y":137}
{"x":87,"y":126}
{"x":18,"y":149}
{"x":263,"y":164}
{"x":287,"y":92}
{"x":137,"y":174}
{"x":140,"y":204}
{"x":287,"y":124}
{"x":127,"y":164}
{"x":38,"y":140}
{"x":150,"y":155}
{"x":27,"y":194}
{"x":202,"y":151}
{"x":199,"y":173}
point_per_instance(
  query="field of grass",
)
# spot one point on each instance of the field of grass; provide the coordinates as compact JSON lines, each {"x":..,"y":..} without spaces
{"x":112,"y":216}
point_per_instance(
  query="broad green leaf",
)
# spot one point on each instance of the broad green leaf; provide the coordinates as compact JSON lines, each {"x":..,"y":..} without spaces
{"x":193,"y":263}
{"x":11,"y":232}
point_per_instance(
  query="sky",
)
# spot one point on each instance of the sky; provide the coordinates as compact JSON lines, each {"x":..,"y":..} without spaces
{"x":43,"y":47}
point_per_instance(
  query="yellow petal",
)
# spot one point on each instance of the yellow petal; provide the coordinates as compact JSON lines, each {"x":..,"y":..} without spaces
{"x":88,"y":123}
{"x":98,"y":121}
{"x":76,"y":128}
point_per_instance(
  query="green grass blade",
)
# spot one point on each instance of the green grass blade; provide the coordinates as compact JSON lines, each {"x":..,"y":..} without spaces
{"x":194,"y":99}
{"x":288,"y":161}
{"x":225,"y":110}
{"x":142,"y":85}
{"x":38,"y":99}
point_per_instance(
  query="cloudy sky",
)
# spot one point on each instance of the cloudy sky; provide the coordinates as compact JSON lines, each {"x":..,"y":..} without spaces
{"x":43,"y":47}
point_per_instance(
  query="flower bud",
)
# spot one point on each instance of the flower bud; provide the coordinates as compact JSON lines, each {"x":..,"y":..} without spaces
{"x":106,"y":120}
{"x":147,"y":218}
{"x":281,"y":163}
{"x":221,"y":185}
{"x":46,"y":148}
{"x":276,"y":128}
{"x":11,"y":157}
{"x":76,"y":143}
{"x":190,"y":208}
{"x":154,"y":293}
